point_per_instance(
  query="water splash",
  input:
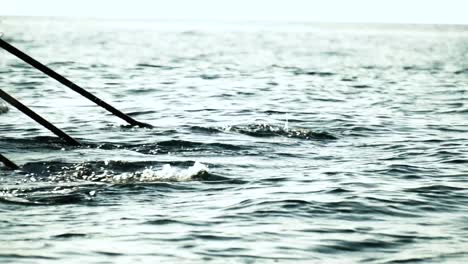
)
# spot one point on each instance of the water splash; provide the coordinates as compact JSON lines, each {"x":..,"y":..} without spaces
{"x":166,"y":173}
{"x":83,"y":183}
{"x":267,"y":130}
{"x":286,"y":123}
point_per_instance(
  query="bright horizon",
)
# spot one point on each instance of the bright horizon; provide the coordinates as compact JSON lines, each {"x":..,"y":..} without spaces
{"x":354,"y":11}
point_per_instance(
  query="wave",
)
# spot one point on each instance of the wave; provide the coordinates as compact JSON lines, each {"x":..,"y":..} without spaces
{"x":172,"y":146}
{"x":462,"y":71}
{"x":314,"y":73}
{"x":147,"y":65}
{"x":205,"y":130}
{"x":70,"y":193}
{"x":300,"y":71}
{"x":166,"y":173}
{"x":3,"y":108}
{"x":161,"y":147}
{"x":121,"y":172}
{"x":56,"y":183}
{"x":35,"y":143}
{"x":351,"y":210}
{"x":266,"y":130}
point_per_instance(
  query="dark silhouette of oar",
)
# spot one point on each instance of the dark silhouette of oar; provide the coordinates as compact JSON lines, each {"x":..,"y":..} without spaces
{"x":8,"y":163}
{"x":8,"y":47}
{"x":9,"y":99}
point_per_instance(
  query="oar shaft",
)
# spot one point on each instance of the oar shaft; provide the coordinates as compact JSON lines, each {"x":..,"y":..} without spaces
{"x":8,"y":163}
{"x":18,"y":105}
{"x":51,"y":73}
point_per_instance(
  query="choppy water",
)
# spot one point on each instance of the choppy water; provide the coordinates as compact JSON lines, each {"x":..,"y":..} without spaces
{"x":272,"y":142}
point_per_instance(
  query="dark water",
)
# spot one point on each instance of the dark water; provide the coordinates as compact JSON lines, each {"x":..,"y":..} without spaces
{"x":272,"y":143}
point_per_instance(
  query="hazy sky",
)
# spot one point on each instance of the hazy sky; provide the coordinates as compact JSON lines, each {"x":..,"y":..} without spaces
{"x":400,"y":11}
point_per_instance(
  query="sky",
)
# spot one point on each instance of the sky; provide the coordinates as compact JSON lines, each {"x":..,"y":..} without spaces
{"x":383,"y":11}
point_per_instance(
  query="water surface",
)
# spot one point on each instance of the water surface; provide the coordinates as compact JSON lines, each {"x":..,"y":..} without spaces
{"x":309,"y":143}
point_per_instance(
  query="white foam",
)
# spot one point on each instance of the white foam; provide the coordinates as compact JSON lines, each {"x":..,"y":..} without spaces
{"x":166,"y":173}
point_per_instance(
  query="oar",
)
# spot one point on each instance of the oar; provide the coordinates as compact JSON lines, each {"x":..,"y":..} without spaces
{"x":9,"y":99}
{"x":8,"y":47}
{"x":8,"y":163}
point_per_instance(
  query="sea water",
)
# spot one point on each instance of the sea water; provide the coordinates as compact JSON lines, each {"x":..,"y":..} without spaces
{"x":272,"y":142}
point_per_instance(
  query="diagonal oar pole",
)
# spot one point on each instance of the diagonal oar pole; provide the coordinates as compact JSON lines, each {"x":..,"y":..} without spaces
{"x":8,"y":47}
{"x":9,"y":99}
{"x":8,"y":163}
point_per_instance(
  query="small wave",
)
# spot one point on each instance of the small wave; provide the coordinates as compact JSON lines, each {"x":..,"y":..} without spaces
{"x":346,"y":208}
{"x":395,"y":169}
{"x":452,"y":257}
{"x":456,"y":161}
{"x":361,"y":86}
{"x":3,"y":108}
{"x":205,"y":130}
{"x":169,"y":146}
{"x":335,"y":245}
{"x":275,"y":112}
{"x":463,"y":71}
{"x":166,"y":173}
{"x":313,"y":73}
{"x":19,"y":65}
{"x":455,"y":111}
{"x":415,"y":68}
{"x":436,"y":189}
{"x":349,"y":79}
{"x":121,"y":172}
{"x":49,"y":195}
{"x":38,"y":142}
{"x":137,"y":113}
{"x":62,"y":171}
{"x":69,"y":235}
{"x":147,"y":65}
{"x":266,"y":130}
{"x":210,"y":76}
{"x":162,"y":147}
{"x":60,"y":63}
{"x":299,"y":71}
{"x":335,"y":53}
{"x":23,"y":84}
{"x":80,"y":183}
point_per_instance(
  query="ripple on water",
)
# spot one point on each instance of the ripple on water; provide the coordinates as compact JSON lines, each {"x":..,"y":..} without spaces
{"x":267,"y":130}
{"x":62,"y":183}
{"x":368,"y":168}
{"x":3,"y":108}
